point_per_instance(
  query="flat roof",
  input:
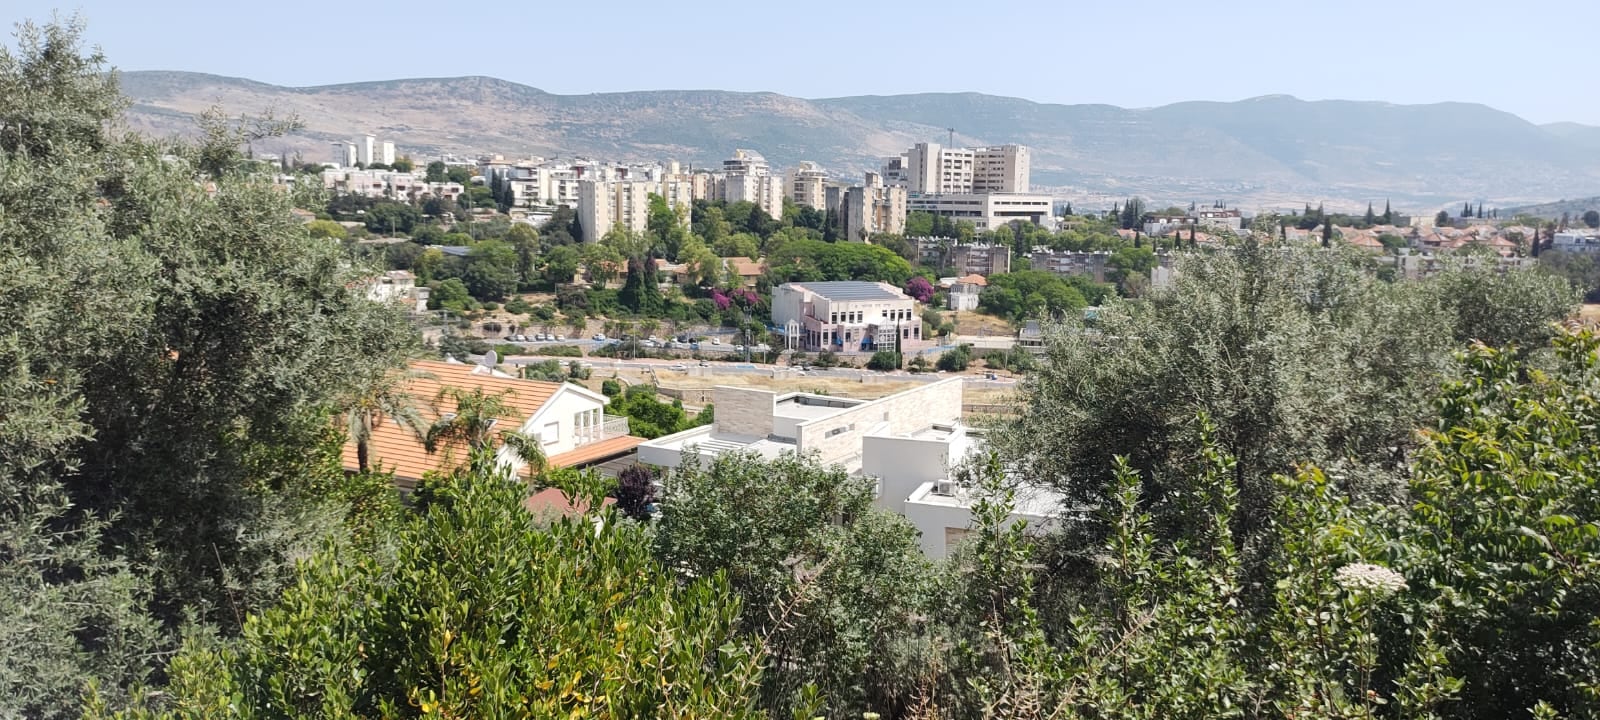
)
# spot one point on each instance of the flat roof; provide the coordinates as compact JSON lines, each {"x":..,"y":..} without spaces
{"x":707,"y":441}
{"x":852,"y":290}
{"x":1030,"y":500}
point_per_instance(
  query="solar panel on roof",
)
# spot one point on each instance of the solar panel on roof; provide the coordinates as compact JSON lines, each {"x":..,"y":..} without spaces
{"x":851,"y":290}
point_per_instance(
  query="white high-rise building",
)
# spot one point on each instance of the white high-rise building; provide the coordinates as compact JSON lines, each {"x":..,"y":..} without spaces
{"x":806,"y":185}
{"x":602,"y":204}
{"x":928,"y":168}
{"x":873,"y":208}
{"x":366,"y":148}
{"x":748,"y":178}
{"x":344,"y":154}
{"x":386,"y":153}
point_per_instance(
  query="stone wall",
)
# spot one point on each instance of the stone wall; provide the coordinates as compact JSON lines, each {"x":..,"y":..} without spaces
{"x":838,"y":439}
{"x":743,"y":411}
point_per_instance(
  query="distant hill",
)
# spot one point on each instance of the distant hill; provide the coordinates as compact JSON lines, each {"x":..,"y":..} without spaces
{"x":1554,"y":210}
{"x":1267,"y":151}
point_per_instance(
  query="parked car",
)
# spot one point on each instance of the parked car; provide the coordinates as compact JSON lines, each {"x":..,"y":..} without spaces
{"x":694,"y":346}
{"x":715,"y":341}
{"x":704,"y":364}
{"x":559,"y":338}
{"x":599,"y":337}
{"x":679,"y":366}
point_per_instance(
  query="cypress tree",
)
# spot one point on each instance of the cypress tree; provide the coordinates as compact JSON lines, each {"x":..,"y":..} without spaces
{"x":1370,"y":218}
{"x":1388,"y":214}
{"x":1327,"y":233}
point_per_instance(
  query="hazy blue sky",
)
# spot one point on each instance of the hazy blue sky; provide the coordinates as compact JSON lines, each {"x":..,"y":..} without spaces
{"x":1535,"y":58}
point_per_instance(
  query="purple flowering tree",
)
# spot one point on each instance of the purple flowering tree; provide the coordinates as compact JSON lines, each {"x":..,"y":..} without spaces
{"x":920,"y":288}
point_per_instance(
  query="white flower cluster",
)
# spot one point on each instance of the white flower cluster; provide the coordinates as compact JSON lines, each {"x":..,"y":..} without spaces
{"x":1368,"y":578}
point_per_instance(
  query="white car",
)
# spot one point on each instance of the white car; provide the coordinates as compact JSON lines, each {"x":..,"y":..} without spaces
{"x":679,"y":366}
{"x":715,"y":341}
{"x":599,"y":337}
{"x":559,"y":338}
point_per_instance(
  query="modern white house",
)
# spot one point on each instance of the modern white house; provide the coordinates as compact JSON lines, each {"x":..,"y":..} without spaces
{"x":910,"y":442}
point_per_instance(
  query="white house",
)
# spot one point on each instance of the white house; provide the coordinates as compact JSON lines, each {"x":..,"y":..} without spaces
{"x":1574,"y":241}
{"x":910,"y":442}
{"x":399,"y":287}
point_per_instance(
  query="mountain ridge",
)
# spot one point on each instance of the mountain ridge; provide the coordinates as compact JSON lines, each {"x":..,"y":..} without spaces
{"x":1272,"y":150}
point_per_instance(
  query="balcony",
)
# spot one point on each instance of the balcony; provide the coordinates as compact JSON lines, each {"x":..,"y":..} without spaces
{"x":610,"y":426}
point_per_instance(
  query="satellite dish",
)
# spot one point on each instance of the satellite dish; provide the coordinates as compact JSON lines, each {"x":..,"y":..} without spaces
{"x":490,"y":359}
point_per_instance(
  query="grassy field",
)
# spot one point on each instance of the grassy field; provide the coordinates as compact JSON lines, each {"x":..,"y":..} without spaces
{"x":1590,"y":314}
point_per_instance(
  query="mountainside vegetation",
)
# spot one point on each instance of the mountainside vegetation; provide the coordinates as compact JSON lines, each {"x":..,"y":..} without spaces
{"x":1262,"y":150}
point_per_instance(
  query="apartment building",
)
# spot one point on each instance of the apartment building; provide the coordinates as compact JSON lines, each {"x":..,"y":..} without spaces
{"x":387,"y":184}
{"x":746,"y":177}
{"x":344,"y":154}
{"x":872,"y":208}
{"x":603,"y":204}
{"x":968,"y":259}
{"x":1220,"y":218}
{"x":846,"y":316}
{"x":1091,"y":264}
{"x":806,"y":185}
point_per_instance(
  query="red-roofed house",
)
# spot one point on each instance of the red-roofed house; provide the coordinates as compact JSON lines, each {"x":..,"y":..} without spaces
{"x":568,"y":421}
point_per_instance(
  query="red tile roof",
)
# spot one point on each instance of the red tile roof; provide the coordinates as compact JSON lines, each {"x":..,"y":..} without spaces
{"x":396,"y":448}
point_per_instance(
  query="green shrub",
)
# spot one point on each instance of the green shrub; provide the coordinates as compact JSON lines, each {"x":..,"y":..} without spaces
{"x":956,"y":360}
{"x":559,"y":351}
{"x":884,"y":360}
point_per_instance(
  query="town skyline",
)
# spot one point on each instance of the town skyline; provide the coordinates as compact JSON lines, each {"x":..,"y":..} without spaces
{"x":1180,"y":56}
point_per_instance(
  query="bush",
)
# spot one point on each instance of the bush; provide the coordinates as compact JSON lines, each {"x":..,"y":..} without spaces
{"x":826,"y":359}
{"x":559,"y":351}
{"x":611,"y":388}
{"x":918,"y":364}
{"x":577,"y":371}
{"x":491,"y":306}
{"x":518,"y":306}
{"x":884,"y":360}
{"x":508,"y":349}
{"x":956,"y":360}
{"x":544,"y":313}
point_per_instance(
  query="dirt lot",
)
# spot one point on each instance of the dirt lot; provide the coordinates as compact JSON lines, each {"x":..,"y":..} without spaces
{"x":696,"y":389}
{"x":1590,"y":314}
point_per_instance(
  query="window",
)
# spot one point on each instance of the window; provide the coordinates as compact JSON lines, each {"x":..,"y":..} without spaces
{"x":550,"y":433}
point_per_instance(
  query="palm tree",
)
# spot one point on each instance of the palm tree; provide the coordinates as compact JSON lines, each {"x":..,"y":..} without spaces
{"x":379,"y":399}
{"x":473,"y":424}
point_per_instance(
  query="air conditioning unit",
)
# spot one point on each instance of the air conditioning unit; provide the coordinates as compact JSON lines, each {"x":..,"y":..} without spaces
{"x":944,"y":487}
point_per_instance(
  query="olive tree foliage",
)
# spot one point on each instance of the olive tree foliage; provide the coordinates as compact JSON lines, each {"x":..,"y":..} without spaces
{"x":171,"y":355}
{"x":1297,"y":354}
{"x":832,"y":587}
{"x":482,"y":612}
{"x":1167,"y":631}
{"x":1504,"y":532}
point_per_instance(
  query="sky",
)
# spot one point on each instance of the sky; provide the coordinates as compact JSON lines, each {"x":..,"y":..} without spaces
{"x":1515,"y":57}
